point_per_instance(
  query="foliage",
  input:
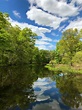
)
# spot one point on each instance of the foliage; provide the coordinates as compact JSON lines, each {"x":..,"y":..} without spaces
{"x":77,"y":58}
{"x":17,"y":46}
{"x":70,"y":88}
{"x":68,"y":53}
{"x":69,"y":45}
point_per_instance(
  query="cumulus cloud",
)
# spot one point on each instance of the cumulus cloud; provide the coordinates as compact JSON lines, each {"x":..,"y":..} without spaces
{"x":75,"y":24}
{"x":50,"y":13}
{"x":43,"y":18}
{"x":17,"y":14}
{"x":60,"y":8}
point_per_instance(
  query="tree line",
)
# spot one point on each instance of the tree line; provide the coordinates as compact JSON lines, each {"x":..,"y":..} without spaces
{"x":17,"y":46}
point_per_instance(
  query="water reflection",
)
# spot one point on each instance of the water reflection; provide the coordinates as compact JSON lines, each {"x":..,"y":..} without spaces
{"x":36,"y":88}
{"x":48,"y":96}
{"x":71,"y":89}
{"x":16,"y":89}
{"x":13,"y":84}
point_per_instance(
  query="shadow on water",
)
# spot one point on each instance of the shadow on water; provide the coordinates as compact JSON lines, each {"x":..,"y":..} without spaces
{"x":35,"y":88}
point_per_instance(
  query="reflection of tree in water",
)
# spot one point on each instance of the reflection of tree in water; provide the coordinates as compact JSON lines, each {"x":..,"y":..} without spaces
{"x":70,"y":87}
{"x":16,"y":86}
{"x":12,"y":88}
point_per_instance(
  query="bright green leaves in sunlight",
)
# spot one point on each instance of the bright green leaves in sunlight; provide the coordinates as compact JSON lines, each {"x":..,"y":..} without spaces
{"x":69,"y":45}
{"x":17,"y":46}
{"x":68,"y":53}
{"x":78,"y":57}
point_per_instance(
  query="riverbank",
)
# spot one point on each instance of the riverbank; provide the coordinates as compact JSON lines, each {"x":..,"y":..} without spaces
{"x":77,"y":69}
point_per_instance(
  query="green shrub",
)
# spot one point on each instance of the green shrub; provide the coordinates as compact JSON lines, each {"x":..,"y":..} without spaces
{"x":77,"y":58}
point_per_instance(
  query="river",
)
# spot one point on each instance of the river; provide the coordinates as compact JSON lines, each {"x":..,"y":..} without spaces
{"x":36,"y":88}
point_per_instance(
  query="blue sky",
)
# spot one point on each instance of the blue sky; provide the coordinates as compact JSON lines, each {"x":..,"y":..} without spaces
{"x":47,"y":18}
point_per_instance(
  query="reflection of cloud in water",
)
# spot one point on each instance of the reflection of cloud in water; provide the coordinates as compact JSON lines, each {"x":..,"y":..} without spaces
{"x":48,"y":96}
{"x":41,"y":85}
{"x":42,"y":82}
{"x":42,"y":98}
{"x":47,"y":106}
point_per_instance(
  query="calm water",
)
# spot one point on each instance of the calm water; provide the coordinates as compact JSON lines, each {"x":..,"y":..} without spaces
{"x":36,"y":88}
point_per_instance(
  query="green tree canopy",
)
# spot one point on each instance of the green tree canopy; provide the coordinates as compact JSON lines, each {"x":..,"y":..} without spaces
{"x":69,"y":45}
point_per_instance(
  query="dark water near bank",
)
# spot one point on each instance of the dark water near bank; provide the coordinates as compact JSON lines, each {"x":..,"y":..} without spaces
{"x":36,"y":88}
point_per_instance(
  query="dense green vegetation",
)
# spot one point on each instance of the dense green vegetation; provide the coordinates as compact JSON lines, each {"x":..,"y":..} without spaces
{"x":68,"y":53}
{"x":17,"y":46}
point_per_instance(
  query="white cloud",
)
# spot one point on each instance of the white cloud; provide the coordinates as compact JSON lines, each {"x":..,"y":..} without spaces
{"x":76,"y":1}
{"x":55,"y":40}
{"x":53,"y":34}
{"x":42,"y":98}
{"x":60,"y":8}
{"x":42,"y":18}
{"x":41,"y":42}
{"x":17,"y":14}
{"x":61,"y":28}
{"x":75,"y":24}
{"x":40,"y":46}
{"x":46,"y":46}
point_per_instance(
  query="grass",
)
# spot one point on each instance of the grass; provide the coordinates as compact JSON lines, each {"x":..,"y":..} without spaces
{"x":65,"y":68}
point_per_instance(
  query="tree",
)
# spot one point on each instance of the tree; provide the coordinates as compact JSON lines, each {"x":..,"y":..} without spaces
{"x":45,"y":56}
{"x":25,"y":46}
{"x":16,"y":45}
{"x":68,"y":45}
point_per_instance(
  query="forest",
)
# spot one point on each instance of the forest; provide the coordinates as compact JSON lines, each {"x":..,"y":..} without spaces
{"x":17,"y":46}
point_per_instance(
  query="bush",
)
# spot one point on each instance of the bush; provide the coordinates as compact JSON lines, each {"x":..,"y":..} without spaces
{"x":77,"y":58}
